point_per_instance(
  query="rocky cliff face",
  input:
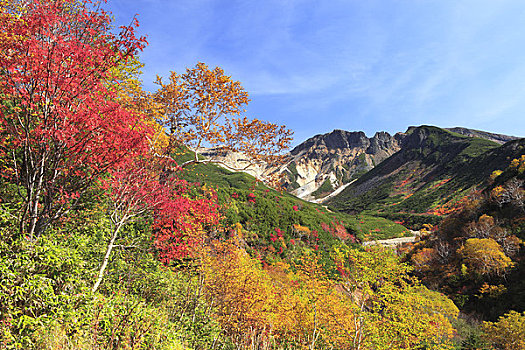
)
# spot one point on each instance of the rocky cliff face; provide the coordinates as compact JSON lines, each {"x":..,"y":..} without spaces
{"x":325,"y":162}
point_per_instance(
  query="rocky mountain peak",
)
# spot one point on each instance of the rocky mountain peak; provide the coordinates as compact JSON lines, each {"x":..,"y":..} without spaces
{"x":335,"y":140}
{"x":325,"y":162}
{"x":381,"y":141}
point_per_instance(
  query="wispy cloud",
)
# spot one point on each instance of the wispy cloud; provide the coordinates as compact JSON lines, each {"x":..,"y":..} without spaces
{"x":350,"y":63}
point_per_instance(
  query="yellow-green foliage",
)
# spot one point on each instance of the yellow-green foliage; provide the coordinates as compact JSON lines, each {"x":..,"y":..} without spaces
{"x":485,"y":256}
{"x":508,"y":333}
{"x":400,"y":313}
{"x":373,"y":305}
{"x":518,"y":164}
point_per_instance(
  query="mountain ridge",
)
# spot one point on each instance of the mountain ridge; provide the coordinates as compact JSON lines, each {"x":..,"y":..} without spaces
{"x":434,"y":170}
{"x":328,"y":161}
{"x":324,"y":163}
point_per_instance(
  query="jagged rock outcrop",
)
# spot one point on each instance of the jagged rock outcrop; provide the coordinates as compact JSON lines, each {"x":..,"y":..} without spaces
{"x":325,"y":162}
{"x":322,"y":163}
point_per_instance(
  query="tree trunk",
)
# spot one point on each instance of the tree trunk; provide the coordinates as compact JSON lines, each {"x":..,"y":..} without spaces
{"x":106,"y":257}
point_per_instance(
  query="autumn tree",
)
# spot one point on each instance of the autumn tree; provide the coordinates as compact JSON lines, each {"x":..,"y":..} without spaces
{"x":511,"y":193}
{"x":392,"y":310}
{"x":486,"y":227}
{"x":136,"y":190}
{"x":126,"y":84}
{"x":508,"y":333}
{"x":485,"y":256}
{"x":63,"y":126}
{"x":204,"y":108}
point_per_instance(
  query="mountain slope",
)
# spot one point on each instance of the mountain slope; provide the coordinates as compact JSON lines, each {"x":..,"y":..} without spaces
{"x":498,"y":138}
{"x":261,"y":211}
{"x":434,"y":169}
{"x":324,"y":162}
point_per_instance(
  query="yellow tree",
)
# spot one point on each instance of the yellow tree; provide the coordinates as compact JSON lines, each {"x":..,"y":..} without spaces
{"x":203,"y":108}
{"x":328,"y":316}
{"x":128,"y":90}
{"x":485,"y":256}
{"x":393,"y":310}
{"x":240,"y":292}
{"x":508,"y":333}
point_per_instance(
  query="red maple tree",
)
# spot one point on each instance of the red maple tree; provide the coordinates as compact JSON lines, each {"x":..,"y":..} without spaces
{"x":63,"y":126}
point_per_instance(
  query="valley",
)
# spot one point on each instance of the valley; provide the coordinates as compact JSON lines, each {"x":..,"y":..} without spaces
{"x":163,"y":216}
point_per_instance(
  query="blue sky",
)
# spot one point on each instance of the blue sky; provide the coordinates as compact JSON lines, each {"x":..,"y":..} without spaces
{"x":363,"y":65}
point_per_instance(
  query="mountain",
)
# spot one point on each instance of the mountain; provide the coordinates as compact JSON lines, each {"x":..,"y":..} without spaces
{"x":324,"y":165}
{"x":262,"y":210}
{"x":324,"y":162}
{"x":433,"y":170}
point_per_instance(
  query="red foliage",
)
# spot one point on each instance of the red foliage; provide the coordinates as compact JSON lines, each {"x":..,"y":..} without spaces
{"x":441,"y":183}
{"x":341,"y":269}
{"x":180,"y":222}
{"x":64,"y":127}
{"x":337,"y":229}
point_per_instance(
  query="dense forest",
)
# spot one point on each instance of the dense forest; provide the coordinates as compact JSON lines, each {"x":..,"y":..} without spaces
{"x":116,"y":234}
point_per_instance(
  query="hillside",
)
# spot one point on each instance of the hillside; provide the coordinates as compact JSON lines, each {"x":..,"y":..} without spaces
{"x":326,"y":163}
{"x":114,"y":236}
{"x":261,"y":210}
{"x":476,"y":255}
{"x":498,"y":138}
{"x":432,"y":172}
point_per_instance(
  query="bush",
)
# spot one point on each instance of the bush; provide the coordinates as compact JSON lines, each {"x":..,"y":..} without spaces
{"x":508,"y":333}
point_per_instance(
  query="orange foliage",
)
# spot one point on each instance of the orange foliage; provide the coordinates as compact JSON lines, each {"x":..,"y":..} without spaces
{"x":423,"y":258}
{"x":256,"y":306}
{"x":301,"y":230}
{"x":441,"y":183}
{"x":448,"y":208}
{"x":203,"y":108}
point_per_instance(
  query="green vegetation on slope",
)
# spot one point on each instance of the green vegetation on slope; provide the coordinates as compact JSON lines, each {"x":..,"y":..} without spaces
{"x":261,"y":210}
{"x":428,"y":177}
{"x":324,"y":189}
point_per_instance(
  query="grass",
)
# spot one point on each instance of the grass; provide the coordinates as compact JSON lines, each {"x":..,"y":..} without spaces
{"x":324,"y":189}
